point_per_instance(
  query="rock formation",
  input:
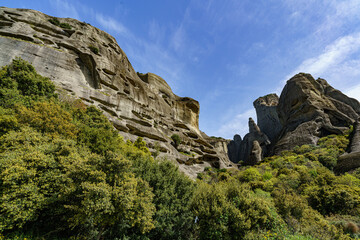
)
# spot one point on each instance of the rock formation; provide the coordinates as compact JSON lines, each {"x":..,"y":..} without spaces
{"x":251,"y":149}
{"x":87,"y":63}
{"x":351,"y":159}
{"x":267,"y":116}
{"x":234,"y":149}
{"x":308,"y":111}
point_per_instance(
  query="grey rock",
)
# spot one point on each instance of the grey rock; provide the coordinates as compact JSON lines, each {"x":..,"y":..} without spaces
{"x":267,"y":116}
{"x":355,"y":138}
{"x":351,"y":159}
{"x":233,"y":149}
{"x":250,"y":154}
{"x":307,"y":112}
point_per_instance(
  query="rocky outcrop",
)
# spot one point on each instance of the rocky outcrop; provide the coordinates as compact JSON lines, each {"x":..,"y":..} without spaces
{"x":251,"y":149}
{"x":309,"y":109}
{"x":267,"y":116}
{"x":87,"y":63}
{"x":254,"y":145}
{"x":234,"y":149}
{"x":351,"y":159}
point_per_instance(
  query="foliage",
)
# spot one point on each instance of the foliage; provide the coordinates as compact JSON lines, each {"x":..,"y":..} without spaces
{"x":172,"y":193}
{"x":65,"y":25}
{"x":229,"y":210}
{"x":56,"y":22}
{"x":94,"y":49}
{"x":176,"y":140}
{"x":66,"y":173}
{"x":95,"y":131}
{"x":47,"y":117}
{"x":20,"y":84}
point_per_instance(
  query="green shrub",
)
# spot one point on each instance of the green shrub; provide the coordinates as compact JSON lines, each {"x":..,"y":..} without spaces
{"x":338,"y":198}
{"x":65,"y":25}
{"x":250,"y":174}
{"x":20,"y":84}
{"x":94,"y":49}
{"x":176,"y":140}
{"x":227,"y":210}
{"x":54,"y":21}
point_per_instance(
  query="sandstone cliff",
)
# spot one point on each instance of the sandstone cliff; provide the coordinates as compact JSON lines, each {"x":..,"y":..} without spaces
{"x":87,"y":63}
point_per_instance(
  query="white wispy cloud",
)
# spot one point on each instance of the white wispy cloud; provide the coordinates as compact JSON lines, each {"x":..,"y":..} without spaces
{"x":178,"y":39}
{"x":354,"y":92}
{"x":333,"y":54}
{"x":112,"y":25}
{"x":65,"y":9}
{"x":338,"y":63}
{"x":237,"y":125}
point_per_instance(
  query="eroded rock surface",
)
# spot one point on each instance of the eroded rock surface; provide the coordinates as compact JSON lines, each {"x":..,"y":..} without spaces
{"x":267,"y":116}
{"x":234,"y":148}
{"x":351,"y":159}
{"x":308,"y":111}
{"x":251,"y":149}
{"x":87,"y":63}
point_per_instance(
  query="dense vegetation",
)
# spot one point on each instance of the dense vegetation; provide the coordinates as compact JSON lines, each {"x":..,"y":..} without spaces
{"x":65,"y":173}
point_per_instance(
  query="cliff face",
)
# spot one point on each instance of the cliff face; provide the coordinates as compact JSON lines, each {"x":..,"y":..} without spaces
{"x":87,"y":63}
{"x":307,"y":110}
{"x":267,"y":116}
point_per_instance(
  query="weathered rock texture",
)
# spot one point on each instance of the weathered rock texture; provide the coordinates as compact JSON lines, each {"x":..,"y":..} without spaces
{"x":351,"y":159}
{"x":310,"y":109}
{"x":307,"y":110}
{"x":251,"y":149}
{"x":137,"y":104}
{"x":234,"y":149}
{"x":267,"y":116}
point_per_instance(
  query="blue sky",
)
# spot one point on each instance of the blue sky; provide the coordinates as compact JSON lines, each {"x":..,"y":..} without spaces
{"x":227,"y":53}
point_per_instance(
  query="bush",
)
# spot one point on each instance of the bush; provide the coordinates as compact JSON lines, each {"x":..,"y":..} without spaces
{"x":94,"y":49}
{"x":228,"y":210}
{"x":21,"y":84}
{"x":54,"y":21}
{"x":65,"y":25}
{"x":176,"y":140}
{"x":48,"y":117}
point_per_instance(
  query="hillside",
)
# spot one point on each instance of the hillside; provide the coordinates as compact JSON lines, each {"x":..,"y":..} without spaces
{"x":90,"y":149}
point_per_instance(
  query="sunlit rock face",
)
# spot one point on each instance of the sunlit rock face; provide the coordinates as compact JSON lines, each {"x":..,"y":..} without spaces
{"x":307,"y":110}
{"x":87,"y":63}
{"x":267,"y":116}
{"x":310,"y":109}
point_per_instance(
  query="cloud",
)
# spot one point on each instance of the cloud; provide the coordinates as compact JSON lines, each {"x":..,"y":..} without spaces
{"x":237,"y":125}
{"x":354,"y":92}
{"x":113,"y":25}
{"x":156,"y":32}
{"x":335,"y":62}
{"x":178,"y":38}
{"x":65,"y":9}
